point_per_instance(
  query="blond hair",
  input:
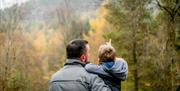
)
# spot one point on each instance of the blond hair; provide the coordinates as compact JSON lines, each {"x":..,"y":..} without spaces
{"x":106,"y":53}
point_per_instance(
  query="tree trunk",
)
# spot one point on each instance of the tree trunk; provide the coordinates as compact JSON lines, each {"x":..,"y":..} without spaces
{"x":134,"y":57}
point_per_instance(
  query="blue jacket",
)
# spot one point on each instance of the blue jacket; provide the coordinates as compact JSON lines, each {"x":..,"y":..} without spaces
{"x":112,"y":74}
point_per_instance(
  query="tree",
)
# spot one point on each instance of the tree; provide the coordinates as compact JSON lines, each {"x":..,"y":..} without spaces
{"x":128,"y":18}
{"x":152,"y":39}
{"x":10,"y":19}
{"x":171,"y":11}
{"x":71,"y":26}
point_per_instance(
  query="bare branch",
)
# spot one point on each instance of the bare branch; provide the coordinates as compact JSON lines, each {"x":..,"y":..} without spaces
{"x":176,"y":8}
{"x":163,"y":7}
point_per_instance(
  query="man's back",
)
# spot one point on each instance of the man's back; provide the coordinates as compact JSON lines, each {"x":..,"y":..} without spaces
{"x":73,"y":77}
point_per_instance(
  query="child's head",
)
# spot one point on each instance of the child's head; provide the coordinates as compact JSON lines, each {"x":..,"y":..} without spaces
{"x":106,"y":53}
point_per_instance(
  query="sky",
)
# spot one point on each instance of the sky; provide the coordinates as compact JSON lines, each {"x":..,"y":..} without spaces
{"x":9,"y":3}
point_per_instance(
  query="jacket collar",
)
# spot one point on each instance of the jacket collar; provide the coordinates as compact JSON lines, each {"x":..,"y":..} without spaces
{"x":74,"y":62}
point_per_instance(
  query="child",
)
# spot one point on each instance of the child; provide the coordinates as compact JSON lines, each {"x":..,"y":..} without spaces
{"x":111,"y":69}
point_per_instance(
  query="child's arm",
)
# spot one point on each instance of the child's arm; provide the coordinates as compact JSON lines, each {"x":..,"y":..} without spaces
{"x":119,"y":69}
{"x":96,"y":69}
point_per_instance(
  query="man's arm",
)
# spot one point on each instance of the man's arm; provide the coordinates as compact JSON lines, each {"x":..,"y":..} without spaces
{"x":97,"y":84}
{"x":54,"y":87}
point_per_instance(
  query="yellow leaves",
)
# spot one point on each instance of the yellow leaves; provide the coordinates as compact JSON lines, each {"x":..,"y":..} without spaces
{"x":99,"y":23}
{"x":55,"y":41}
{"x":40,"y":42}
{"x":46,"y":78}
{"x":103,"y":12}
{"x":2,"y":37}
{"x":147,"y":84}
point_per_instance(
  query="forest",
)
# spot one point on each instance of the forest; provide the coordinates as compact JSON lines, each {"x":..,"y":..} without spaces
{"x":34,"y":35}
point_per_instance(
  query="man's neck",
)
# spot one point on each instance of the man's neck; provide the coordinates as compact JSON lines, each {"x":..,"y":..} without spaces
{"x":75,"y":61}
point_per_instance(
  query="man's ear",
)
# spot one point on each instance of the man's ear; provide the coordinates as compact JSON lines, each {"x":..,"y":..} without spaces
{"x":82,"y":58}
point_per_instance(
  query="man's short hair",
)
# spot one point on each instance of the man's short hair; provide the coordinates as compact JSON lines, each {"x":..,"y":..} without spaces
{"x":76,"y":48}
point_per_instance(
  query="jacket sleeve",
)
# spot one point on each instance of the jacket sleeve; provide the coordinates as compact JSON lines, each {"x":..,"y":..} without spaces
{"x":91,"y":67}
{"x":97,"y":84}
{"x":54,"y":87}
{"x":120,"y":69}
{"x":96,"y":69}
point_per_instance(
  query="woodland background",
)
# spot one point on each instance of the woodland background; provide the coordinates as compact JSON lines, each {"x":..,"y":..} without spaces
{"x":146,"y":33}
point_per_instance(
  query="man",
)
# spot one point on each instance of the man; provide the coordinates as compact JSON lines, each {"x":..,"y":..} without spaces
{"x":73,"y":76}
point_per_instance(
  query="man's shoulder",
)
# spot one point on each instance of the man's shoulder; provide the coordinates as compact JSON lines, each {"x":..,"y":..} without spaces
{"x":55,"y":76}
{"x":75,"y":71}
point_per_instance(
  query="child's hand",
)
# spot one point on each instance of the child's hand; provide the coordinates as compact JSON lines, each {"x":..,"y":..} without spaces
{"x":108,"y":43}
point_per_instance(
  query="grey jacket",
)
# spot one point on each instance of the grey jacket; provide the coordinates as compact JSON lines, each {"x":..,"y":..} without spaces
{"x":112,"y":76}
{"x":74,"y":77}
